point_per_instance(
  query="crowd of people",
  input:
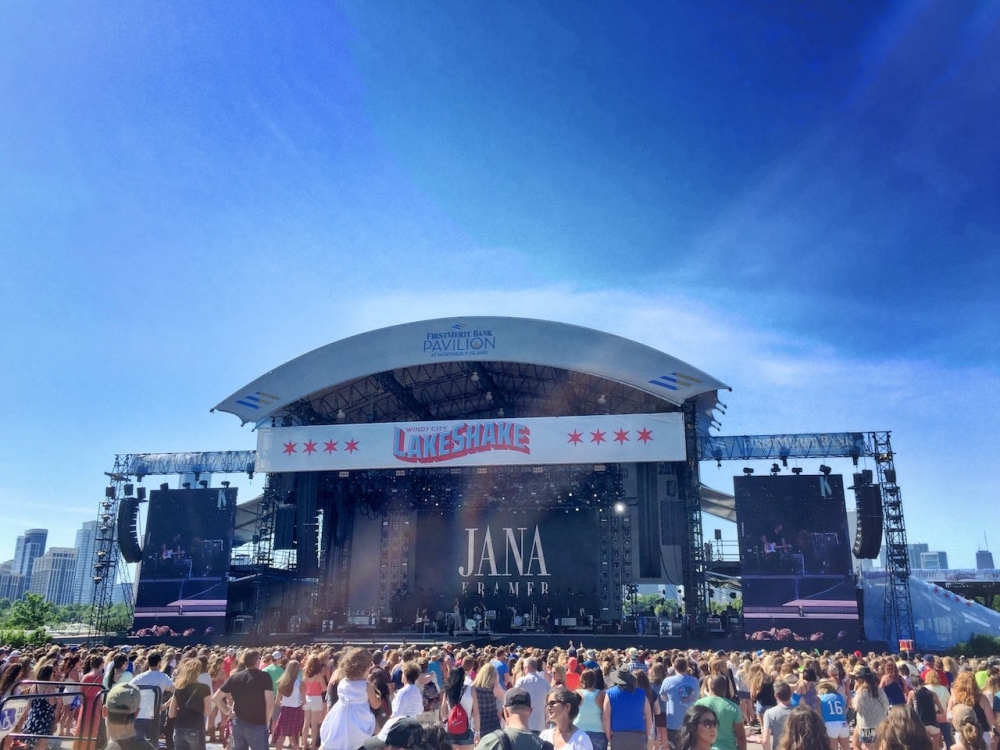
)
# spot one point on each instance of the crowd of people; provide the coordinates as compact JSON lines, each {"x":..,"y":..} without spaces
{"x":320,"y":697}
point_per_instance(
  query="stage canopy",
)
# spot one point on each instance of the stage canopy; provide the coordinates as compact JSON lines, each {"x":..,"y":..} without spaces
{"x":475,"y":367}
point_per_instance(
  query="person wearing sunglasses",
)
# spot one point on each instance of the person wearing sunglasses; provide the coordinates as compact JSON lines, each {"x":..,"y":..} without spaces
{"x":562,"y":706}
{"x":699,"y":729}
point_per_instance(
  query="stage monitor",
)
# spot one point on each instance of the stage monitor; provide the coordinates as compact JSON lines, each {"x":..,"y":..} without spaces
{"x":531,"y":565}
{"x":798,"y":583}
{"x":184,"y":575}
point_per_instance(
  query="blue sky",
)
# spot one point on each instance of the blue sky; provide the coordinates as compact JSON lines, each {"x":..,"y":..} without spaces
{"x":800,"y":199}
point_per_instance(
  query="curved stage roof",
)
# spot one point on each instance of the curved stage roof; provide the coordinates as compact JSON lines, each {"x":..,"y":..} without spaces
{"x":456,"y":368}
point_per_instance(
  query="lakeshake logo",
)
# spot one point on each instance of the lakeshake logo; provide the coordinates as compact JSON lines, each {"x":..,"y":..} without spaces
{"x":428,"y":445}
{"x":459,"y":341}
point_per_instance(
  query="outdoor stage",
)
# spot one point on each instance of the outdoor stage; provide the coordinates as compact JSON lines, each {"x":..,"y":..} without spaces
{"x":515,"y":474}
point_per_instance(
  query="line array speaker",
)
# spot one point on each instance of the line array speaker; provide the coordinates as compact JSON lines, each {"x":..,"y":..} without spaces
{"x":868,"y":540}
{"x":128,"y":529}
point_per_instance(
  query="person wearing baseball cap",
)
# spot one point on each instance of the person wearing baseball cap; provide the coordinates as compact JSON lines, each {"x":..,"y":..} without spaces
{"x":516,"y":710}
{"x":121,"y":707}
{"x":400,"y":732}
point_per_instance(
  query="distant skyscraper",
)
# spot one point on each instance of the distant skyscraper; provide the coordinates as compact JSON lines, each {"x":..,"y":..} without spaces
{"x":83,"y":573}
{"x":11,"y":584}
{"x":29,"y":546}
{"x":52,"y":576}
{"x":984,"y":560}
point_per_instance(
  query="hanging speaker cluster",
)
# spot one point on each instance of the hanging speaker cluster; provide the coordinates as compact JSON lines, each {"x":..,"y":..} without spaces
{"x":868,"y":497}
{"x":128,"y":529}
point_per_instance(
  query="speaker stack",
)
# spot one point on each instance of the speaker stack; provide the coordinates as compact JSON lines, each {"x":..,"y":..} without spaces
{"x":868,"y":497}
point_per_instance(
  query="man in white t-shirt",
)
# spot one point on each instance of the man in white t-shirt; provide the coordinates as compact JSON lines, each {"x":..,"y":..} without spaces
{"x":146,"y":723}
{"x":408,"y":701}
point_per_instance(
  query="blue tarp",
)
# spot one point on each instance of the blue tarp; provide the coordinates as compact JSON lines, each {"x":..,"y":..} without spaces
{"x":941,"y":618}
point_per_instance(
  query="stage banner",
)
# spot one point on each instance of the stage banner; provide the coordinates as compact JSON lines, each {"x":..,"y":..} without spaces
{"x":184,"y":577}
{"x":798,"y":583}
{"x":624,"y":438}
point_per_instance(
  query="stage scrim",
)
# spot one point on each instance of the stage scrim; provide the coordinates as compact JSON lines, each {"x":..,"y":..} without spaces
{"x":183,"y":578}
{"x":797,"y":577}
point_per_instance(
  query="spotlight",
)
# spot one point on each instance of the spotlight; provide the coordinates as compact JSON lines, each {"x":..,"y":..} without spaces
{"x":602,"y":400}
{"x":796,"y":470}
{"x":783,"y":455}
{"x":489,"y":396}
{"x":225,"y":484}
{"x":203,"y":483}
{"x":164,"y":487}
{"x":855,"y":453}
{"x":500,"y":412}
{"x":340,"y":415}
{"x":775,"y":470}
{"x":474,"y":377}
{"x":186,"y":485}
{"x":717,"y":455}
{"x":825,"y":470}
{"x":747,"y":471}
{"x":619,"y":508}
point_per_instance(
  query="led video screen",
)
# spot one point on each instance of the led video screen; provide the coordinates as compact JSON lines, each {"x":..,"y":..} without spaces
{"x":519,"y":567}
{"x":798,"y":582}
{"x":184,"y":576}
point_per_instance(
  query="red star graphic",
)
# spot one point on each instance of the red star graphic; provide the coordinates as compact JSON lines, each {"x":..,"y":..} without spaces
{"x":575,"y":437}
{"x":645,"y":435}
{"x":309,"y":447}
{"x":352,"y":445}
{"x":597,"y":437}
{"x":290,"y":448}
{"x":331,"y":446}
{"x":621,"y":436}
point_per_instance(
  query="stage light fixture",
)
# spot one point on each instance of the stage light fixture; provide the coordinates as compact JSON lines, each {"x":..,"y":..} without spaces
{"x":602,"y":400}
{"x":796,"y":470}
{"x":825,"y":470}
{"x":775,"y":470}
{"x":489,"y":396}
{"x":474,"y":377}
{"x":619,"y":508}
{"x":186,"y":485}
{"x":747,"y":471}
{"x":717,"y":455}
{"x":164,"y":487}
{"x":203,"y":483}
{"x":783,"y":455}
{"x":341,"y":415}
{"x":855,"y":454}
{"x":225,"y":484}
{"x":500,"y":412}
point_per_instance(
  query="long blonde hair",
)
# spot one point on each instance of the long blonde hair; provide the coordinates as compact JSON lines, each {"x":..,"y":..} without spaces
{"x":287,"y":681}
{"x":486,"y":677}
{"x":187,"y":673}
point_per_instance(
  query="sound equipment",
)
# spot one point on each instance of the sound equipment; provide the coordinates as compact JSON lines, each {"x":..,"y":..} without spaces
{"x":868,"y":539}
{"x":128,"y":529}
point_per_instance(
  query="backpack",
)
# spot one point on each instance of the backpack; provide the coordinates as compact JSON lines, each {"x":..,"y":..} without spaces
{"x":458,"y":721}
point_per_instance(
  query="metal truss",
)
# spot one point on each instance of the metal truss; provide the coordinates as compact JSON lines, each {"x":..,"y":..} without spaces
{"x":107,"y":554}
{"x":897,"y":607}
{"x":768,"y":447}
{"x":693,"y":564}
{"x":263,"y":548}
{"x":141,"y":465}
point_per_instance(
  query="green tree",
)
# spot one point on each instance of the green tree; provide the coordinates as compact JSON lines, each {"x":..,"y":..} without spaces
{"x":31,"y":613}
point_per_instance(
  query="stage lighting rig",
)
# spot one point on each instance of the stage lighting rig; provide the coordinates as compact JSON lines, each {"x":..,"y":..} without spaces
{"x":825,"y":470}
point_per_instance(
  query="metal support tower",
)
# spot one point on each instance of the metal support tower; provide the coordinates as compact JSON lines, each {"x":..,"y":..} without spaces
{"x":898,"y":609}
{"x":693,"y":555}
{"x":107,"y":554}
{"x":263,"y":544}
